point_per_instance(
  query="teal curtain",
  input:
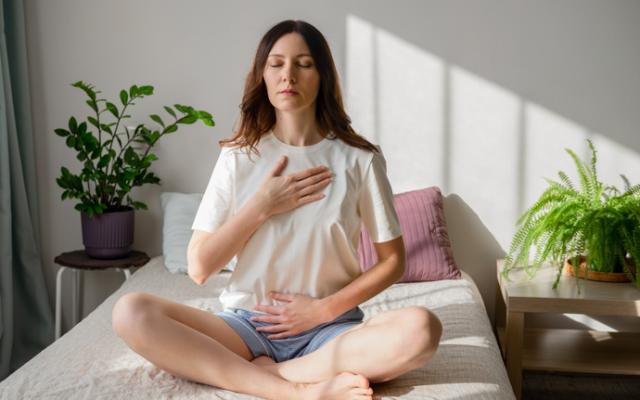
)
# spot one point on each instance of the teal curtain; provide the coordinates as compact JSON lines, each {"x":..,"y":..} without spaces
{"x":26,"y":323}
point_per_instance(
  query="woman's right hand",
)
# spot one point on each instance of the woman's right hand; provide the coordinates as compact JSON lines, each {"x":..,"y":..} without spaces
{"x":279,"y":194}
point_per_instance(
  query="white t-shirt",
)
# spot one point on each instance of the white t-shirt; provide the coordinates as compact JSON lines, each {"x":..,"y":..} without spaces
{"x":311,"y":249}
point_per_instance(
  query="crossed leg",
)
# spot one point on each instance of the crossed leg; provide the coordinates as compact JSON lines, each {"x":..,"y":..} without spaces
{"x":197,"y":345}
{"x":382,"y":348}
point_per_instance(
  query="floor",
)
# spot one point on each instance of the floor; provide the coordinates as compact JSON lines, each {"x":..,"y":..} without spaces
{"x":555,"y":385}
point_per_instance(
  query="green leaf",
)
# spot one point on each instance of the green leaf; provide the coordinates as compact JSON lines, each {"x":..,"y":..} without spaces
{"x":133,"y":91}
{"x":204,"y":114}
{"x":181,"y":108}
{"x":130,"y":157}
{"x":113,"y":109}
{"x":73,"y":125}
{"x":86,"y":88}
{"x":61,"y":182}
{"x":139,"y":205}
{"x":170,"y":111}
{"x":71,"y":141}
{"x":93,"y":105}
{"x":189,"y":119}
{"x":171,"y":128}
{"x":157,"y":119}
{"x":104,"y":161}
{"x":151,"y":178}
{"x":62,"y":132}
{"x":93,"y":121}
{"x":147,"y":90}
{"x":155,"y":135}
{"x":124,"y":98}
{"x":82,"y":128}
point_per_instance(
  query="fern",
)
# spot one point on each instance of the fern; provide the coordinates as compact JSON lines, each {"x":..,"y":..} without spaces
{"x":627,"y":185}
{"x":596,"y":221}
{"x":565,"y":179}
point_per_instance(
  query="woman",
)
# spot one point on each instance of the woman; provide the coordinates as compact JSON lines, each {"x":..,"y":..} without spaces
{"x":291,"y":212}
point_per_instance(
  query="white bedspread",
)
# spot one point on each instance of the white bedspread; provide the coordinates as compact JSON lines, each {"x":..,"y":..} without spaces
{"x":91,"y":362}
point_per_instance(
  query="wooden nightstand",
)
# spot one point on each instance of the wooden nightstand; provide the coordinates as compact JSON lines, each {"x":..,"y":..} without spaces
{"x":570,"y":350}
{"x":79,"y":261}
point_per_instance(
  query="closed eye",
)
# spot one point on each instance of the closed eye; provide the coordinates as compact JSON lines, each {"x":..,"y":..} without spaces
{"x":303,"y":66}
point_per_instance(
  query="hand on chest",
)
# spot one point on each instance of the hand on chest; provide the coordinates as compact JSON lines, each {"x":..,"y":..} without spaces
{"x":341,"y":194}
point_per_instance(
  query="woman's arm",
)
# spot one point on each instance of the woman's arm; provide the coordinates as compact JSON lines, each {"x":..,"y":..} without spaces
{"x":209,"y":252}
{"x":390,"y":267}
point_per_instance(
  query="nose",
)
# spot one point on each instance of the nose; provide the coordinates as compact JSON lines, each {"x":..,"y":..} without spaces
{"x":288,"y":76}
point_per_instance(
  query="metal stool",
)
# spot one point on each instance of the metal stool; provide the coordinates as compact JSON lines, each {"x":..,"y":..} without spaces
{"x":78,"y":261}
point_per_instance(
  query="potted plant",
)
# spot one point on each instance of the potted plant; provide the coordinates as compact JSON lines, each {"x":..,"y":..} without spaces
{"x":116,"y":158}
{"x":595,"y":224}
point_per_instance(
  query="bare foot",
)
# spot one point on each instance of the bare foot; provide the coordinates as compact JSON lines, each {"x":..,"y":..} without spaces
{"x":344,"y":386}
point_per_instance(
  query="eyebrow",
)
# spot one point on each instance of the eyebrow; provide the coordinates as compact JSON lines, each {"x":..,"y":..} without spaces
{"x":280,"y":55}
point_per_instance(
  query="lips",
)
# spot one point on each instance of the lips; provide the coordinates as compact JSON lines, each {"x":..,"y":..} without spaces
{"x":288,"y":91}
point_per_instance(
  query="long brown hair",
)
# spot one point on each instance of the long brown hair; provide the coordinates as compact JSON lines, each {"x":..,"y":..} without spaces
{"x":258,"y":114}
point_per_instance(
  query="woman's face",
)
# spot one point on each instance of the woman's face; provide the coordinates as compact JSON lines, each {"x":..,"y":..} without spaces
{"x":290,"y":66}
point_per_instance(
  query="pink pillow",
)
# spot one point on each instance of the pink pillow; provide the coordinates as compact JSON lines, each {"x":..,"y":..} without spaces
{"x":428,"y":251}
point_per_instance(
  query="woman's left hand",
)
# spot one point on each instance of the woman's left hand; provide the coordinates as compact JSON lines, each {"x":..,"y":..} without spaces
{"x":301,"y":313}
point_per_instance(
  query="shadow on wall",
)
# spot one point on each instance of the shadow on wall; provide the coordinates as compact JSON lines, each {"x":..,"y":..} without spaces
{"x":474,"y":247}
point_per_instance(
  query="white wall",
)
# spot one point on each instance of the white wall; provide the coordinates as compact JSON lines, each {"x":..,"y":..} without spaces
{"x":487,"y":93}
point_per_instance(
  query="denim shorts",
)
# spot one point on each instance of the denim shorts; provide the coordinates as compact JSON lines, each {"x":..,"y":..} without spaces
{"x":290,"y":347}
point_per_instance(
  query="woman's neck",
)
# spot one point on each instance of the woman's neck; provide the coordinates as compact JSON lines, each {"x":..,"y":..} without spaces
{"x":297,"y":129}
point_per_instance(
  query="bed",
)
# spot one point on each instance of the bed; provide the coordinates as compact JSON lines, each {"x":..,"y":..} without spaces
{"x":91,"y":362}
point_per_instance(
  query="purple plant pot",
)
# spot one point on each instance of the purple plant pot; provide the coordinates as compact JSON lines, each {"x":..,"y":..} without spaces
{"x":108,"y":235}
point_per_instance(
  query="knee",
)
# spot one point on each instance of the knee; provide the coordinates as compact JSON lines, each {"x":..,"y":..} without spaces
{"x":424,"y":330}
{"x":130,"y":313}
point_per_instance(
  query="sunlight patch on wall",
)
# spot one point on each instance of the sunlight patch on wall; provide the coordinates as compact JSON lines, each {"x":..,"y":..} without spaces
{"x":484,"y":142}
{"x":615,"y":159}
{"x":546,"y":137}
{"x":441,"y":125}
{"x":395,"y":99}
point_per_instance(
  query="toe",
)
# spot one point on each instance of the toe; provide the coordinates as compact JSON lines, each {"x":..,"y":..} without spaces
{"x":360,"y":391}
{"x":362,"y":381}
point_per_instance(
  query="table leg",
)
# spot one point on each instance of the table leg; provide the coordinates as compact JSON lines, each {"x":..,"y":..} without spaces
{"x":58,"y":323}
{"x":126,"y":272}
{"x":75,"y":295}
{"x":514,"y":332}
{"x":499,"y":317}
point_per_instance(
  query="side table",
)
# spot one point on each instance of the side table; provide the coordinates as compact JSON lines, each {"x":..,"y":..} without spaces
{"x":78,"y":261}
{"x":569,"y":350}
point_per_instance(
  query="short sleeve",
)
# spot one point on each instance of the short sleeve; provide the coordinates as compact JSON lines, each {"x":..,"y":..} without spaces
{"x":375,"y":202}
{"x":217,"y":201}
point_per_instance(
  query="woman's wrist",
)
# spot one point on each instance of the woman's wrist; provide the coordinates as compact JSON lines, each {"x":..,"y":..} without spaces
{"x":327,"y":309}
{"x":262,"y":212}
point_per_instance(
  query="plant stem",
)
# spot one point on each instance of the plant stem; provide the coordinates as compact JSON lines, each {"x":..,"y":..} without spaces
{"x":118,"y":157}
{"x":113,"y":137}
